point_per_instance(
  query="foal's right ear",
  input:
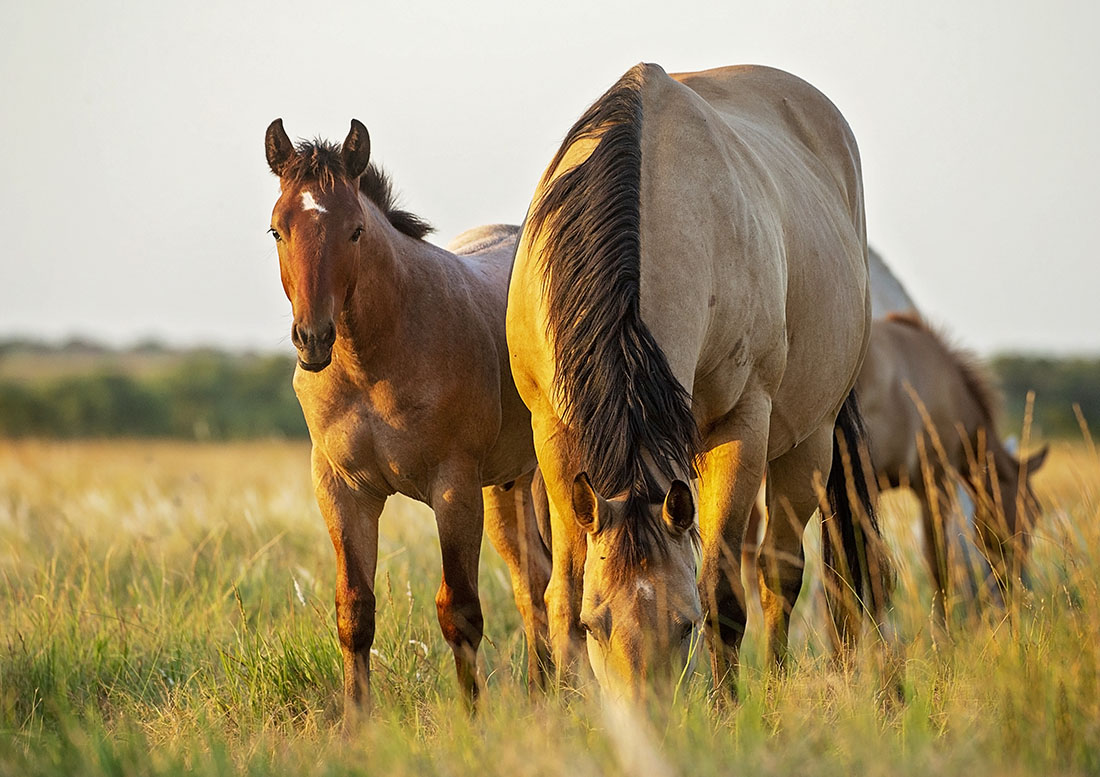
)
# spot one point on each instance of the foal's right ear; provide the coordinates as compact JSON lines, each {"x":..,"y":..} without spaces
{"x":586,"y":504}
{"x":278,"y":147}
{"x":356,"y":150}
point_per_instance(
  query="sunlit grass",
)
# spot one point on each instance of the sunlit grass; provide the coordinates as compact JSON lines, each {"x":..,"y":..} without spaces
{"x":167,"y":609}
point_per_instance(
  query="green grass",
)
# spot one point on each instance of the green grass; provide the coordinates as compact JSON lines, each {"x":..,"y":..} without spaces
{"x":166,"y":608}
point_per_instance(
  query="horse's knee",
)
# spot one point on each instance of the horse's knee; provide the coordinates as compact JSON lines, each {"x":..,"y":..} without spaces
{"x":355,"y":618}
{"x":460,"y":617}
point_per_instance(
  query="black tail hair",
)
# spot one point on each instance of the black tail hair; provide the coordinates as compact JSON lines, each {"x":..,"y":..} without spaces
{"x":863,"y":569}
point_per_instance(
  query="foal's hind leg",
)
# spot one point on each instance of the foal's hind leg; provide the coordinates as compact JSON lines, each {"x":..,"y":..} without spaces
{"x":456,"y":500}
{"x":792,"y":500}
{"x":513,"y":530}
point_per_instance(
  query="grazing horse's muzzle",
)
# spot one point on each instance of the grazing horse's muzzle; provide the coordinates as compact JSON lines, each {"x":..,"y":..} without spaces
{"x":314,"y":345}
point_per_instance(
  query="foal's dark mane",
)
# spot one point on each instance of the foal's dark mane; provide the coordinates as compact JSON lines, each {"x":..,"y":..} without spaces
{"x":979,"y":384}
{"x":320,"y":161}
{"x":619,"y":393}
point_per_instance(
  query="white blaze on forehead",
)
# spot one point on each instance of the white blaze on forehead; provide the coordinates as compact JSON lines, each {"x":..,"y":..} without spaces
{"x":308,"y":203}
{"x":644,"y":589}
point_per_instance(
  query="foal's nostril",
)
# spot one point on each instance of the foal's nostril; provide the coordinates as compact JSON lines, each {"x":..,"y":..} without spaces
{"x":295,"y":336}
{"x":330,"y":335}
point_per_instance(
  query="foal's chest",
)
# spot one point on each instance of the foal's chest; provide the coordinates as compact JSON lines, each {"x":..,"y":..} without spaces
{"x":377,"y":439}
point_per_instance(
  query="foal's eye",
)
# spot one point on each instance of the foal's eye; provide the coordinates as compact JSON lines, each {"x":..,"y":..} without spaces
{"x":275,"y":234}
{"x":358,"y":233}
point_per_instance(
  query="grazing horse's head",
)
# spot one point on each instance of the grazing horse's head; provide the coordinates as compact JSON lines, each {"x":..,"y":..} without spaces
{"x":317,"y":223}
{"x":641,"y":607}
{"x":1006,"y":512}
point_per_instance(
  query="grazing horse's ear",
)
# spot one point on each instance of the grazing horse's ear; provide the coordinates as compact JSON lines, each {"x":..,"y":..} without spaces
{"x":356,"y":150}
{"x":1036,"y":460}
{"x":278,"y":147}
{"x":586,"y":504}
{"x":679,"y":508}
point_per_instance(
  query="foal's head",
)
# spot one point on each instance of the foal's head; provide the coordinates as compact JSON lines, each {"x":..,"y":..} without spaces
{"x":317,"y":223}
{"x":641,"y":607}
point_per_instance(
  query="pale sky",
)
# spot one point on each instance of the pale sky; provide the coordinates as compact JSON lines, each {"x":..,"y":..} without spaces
{"x":134,"y":194}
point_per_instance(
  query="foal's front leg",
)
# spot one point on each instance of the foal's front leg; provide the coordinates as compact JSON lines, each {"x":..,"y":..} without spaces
{"x":457,"y":502}
{"x":352,"y":520}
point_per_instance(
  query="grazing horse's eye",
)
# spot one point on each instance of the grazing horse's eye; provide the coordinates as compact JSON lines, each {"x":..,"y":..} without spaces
{"x":358,"y":233}
{"x":686,"y":630}
{"x":275,"y":234}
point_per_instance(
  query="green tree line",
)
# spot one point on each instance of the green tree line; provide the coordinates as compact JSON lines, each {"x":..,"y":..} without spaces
{"x":1059,"y":384}
{"x":220,"y":396}
{"x":204,"y":396}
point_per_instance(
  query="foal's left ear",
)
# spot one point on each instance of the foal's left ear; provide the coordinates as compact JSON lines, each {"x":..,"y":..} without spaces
{"x":278,"y":147}
{"x":679,"y":508}
{"x":356,"y":150}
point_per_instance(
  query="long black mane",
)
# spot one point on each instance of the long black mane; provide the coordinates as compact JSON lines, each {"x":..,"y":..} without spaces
{"x":621,"y":399}
{"x":319,"y":160}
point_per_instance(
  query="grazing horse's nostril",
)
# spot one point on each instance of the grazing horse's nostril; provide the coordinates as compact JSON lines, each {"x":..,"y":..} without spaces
{"x":295,"y":336}
{"x":329,"y":336}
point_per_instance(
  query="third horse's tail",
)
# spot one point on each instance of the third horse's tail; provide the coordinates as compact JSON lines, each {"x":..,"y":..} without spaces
{"x":858,"y":575}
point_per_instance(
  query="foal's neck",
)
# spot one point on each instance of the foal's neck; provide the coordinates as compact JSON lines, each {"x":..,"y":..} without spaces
{"x":378,"y":326}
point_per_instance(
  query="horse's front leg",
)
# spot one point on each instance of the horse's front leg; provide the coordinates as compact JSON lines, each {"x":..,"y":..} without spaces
{"x":730,"y":475}
{"x":352,"y":520}
{"x":457,"y":501}
{"x":568,"y":549}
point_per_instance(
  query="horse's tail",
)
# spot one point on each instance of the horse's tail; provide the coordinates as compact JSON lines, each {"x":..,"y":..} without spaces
{"x":857,"y":570}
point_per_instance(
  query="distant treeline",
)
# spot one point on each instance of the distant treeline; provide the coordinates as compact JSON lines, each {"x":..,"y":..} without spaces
{"x":1059,"y":383}
{"x":149,"y":392}
{"x":85,"y":390}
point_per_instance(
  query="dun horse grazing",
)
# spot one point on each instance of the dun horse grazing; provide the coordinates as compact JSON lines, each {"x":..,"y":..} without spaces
{"x":689,"y":298}
{"x":931,"y":422}
{"x":404,"y":380}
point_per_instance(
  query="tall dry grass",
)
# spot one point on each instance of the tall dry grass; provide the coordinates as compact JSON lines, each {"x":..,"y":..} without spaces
{"x":165,"y":608}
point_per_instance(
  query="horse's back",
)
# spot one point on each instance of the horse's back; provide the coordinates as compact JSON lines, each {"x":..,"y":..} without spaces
{"x":494,"y":238}
{"x":783,"y":109}
{"x":752,"y":190}
{"x":888,"y":295}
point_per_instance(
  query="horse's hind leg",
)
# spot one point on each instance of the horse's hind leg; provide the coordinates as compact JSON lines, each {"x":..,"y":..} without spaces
{"x":513,"y":530}
{"x":456,"y":500}
{"x":352,"y":521}
{"x":792,"y":500}
{"x":935,"y":553}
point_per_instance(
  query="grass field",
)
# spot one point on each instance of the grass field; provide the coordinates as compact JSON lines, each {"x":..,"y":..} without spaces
{"x":166,"y":608}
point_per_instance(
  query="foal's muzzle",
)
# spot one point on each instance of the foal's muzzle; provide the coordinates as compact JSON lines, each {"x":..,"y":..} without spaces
{"x":314,"y":345}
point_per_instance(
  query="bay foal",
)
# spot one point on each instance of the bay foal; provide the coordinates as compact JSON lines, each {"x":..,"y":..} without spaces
{"x":404,"y":381}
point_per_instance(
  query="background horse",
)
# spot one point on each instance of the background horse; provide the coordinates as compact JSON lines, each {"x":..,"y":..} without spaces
{"x":404,"y":381}
{"x":689,"y":297}
{"x":931,"y":420}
